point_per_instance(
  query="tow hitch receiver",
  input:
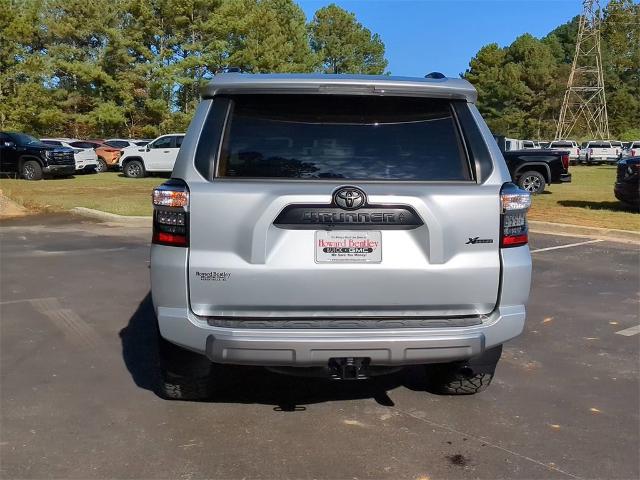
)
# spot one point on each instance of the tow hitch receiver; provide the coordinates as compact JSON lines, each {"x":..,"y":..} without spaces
{"x":349,"y":368}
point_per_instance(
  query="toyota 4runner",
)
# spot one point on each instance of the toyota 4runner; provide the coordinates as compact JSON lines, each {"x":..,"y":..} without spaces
{"x":342,"y":225}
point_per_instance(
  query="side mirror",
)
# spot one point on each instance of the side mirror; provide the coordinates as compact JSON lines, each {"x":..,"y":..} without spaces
{"x":148,"y":147}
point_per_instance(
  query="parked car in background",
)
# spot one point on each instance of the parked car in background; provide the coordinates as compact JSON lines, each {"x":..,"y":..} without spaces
{"x":618,"y":146}
{"x":507,"y":144}
{"x":627,"y":186}
{"x":29,"y":158}
{"x":533,"y":169}
{"x":567,"y":145}
{"x":633,"y":150}
{"x":599,"y":151}
{"x":85,"y":158}
{"x":158,"y":155}
{"x":125,"y":143}
{"x":529,"y":144}
{"x":340,"y":229}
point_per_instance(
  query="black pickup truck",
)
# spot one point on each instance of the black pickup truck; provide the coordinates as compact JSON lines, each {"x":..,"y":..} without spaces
{"x":25,"y":156}
{"x":534,"y":169}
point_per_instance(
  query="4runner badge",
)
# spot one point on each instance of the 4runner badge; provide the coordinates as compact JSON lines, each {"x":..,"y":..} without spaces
{"x":475,"y":240}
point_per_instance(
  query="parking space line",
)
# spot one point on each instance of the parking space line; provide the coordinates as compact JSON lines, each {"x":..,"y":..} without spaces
{"x":27,"y":300}
{"x":566,"y":246}
{"x":628,"y":332}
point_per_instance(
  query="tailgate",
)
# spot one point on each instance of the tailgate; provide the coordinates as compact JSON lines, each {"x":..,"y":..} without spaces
{"x":343,"y":206}
{"x":241,"y":264}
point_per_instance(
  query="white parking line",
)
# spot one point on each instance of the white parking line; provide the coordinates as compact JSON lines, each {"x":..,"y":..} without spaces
{"x":566,"y":246}
{"x":627,"y":332}
{"x":9,"y":302}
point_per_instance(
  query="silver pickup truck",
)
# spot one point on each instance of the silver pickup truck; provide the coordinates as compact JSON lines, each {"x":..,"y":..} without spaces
{"x":338,"y":225}
{"x":599,"y":151}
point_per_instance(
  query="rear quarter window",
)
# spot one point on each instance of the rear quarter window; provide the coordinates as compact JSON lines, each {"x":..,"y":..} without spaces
{"x":342,"y":137}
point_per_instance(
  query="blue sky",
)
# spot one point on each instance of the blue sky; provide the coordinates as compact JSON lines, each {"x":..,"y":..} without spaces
{"x":442,"y":35}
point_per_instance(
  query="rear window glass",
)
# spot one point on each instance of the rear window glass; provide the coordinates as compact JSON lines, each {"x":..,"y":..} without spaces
{"x":117,"y":143}
{"x":561,"y":144}
{"x":599,"y":145}
{"x":342,"y":137}
{"x":83,"y":144}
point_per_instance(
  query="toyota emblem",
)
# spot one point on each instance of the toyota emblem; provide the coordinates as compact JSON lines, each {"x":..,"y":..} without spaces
{"x":349,"y":198}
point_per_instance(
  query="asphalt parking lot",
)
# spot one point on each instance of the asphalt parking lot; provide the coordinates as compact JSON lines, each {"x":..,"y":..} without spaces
{"x":77,"y":372}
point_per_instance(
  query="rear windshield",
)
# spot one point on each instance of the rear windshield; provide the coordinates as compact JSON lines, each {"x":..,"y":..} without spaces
{"x":117,"y":143}
{"x":599,"y":145}
{"x":561,"y":144}
{"x":342,"y":137}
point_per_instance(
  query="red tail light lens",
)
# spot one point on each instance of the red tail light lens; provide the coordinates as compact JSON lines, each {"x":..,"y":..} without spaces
{"x":633,"y":153}
{"x":171,"y":214}
{"x":515,"y":203}
{"x":565,"y":161}
{"x":591,"y":151}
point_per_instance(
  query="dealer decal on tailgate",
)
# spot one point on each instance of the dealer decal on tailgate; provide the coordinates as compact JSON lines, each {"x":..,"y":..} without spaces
{"x":348,"y":246}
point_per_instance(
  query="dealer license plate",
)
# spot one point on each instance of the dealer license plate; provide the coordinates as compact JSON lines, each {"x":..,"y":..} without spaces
{"x":347,"y":246}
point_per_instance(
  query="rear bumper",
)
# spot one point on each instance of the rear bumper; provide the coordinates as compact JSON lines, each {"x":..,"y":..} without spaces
{"x":87,"y":167}
{"x":291,"y":347}
{"x":603,"y":159}
{"x":565,"y":178}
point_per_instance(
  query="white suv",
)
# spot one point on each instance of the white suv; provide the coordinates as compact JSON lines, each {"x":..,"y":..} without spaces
{"x":157,"y":156}
{"x":85,"y":158}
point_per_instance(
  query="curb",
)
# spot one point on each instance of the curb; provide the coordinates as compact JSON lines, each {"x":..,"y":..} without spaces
{"x":112,"y":217}
{"x":565,"y":229}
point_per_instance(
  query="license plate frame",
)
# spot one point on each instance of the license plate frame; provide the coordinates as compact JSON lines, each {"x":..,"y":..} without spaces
{"x":348,"y":246}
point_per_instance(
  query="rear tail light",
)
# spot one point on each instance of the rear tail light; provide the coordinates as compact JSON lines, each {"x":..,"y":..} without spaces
{"x":565,"y":161}
{"x":633,"y":153}
{"x":515,"y":203}
{"x":171,"y":214}
{"x":591,"y":151}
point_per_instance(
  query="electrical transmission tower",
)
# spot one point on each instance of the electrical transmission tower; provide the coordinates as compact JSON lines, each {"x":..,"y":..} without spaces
{"x":585,"y":104}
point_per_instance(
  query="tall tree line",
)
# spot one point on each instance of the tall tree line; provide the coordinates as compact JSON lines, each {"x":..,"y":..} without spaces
{"x":87,"y":68}
{"x":521,"y":86}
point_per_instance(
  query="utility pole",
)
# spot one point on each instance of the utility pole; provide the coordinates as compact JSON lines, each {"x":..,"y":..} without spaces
{"x":584,"y":98}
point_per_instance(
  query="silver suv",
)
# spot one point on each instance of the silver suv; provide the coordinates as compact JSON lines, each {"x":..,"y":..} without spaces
{"x":343,"y":225}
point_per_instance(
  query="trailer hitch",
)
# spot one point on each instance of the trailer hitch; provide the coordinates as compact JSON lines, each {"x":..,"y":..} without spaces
{"x":349,"y":368}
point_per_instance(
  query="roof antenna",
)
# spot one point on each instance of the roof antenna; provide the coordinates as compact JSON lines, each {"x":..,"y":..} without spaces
{"x":435,"y":75}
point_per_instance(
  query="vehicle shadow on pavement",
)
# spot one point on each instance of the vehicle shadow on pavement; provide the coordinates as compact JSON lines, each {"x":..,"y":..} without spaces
{"x":239,"y":384}
{"x":607,"y":205}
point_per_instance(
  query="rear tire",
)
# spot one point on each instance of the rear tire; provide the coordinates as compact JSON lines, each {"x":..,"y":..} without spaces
{"x":184,"y":375}
{"x":532,"y":181}
{"x":134,"y":169}
{"x":466,"y":377}
{"x":31,"y":170}
{"x":102,"y":166}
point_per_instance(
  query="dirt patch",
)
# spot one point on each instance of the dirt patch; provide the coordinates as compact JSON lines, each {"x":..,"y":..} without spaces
{"x":10,"y":209}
